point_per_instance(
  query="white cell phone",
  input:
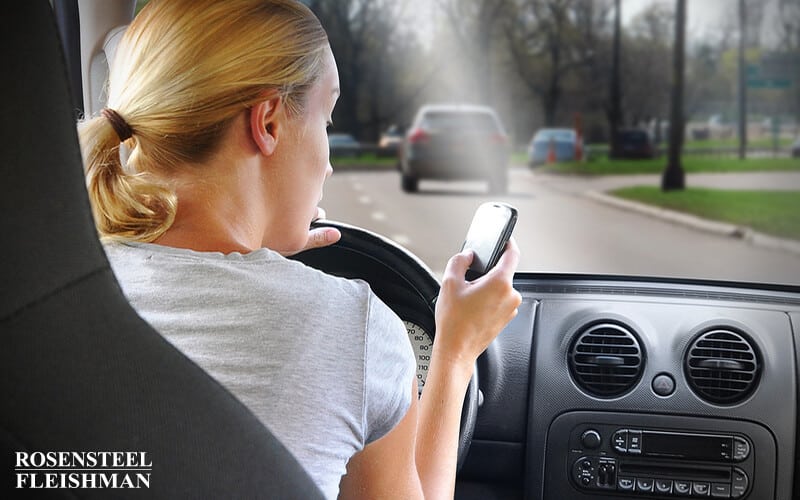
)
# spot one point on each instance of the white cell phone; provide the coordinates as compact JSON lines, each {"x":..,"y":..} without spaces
{"x":487,"y":236}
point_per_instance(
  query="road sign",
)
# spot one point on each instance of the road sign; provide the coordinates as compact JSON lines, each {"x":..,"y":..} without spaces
{"x":772,"y":71}
{"x":762,"y":83}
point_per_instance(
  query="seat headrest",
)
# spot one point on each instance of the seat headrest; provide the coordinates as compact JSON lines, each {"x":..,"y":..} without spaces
{"x":45,"y":218}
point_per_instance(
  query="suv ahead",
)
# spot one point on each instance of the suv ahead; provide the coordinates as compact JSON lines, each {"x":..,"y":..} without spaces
{"x":448,"y":142}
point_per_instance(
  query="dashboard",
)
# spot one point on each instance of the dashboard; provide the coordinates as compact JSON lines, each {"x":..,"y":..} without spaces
{"x":620,"y":388}
{"x":607,"y":387}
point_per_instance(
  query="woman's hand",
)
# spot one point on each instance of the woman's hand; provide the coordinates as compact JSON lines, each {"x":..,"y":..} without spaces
{"x":318,"y":237}
{"x":469,"y":315}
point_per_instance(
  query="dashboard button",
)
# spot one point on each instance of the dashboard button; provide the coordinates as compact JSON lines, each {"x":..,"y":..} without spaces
{"x":738,"y":483}
{"x":645,"y":484}
{"x":635,"y":442}
{"x":663,"y":486}
{"x":620,"y":441}
{"x":741,"y":449}
{"x":700,"y":489}
{"x":591,"y":439}
{"x":682,"y":487}
{"x":626,"y":483}
{"x":720,"y":490}
{"x":663,"y":385}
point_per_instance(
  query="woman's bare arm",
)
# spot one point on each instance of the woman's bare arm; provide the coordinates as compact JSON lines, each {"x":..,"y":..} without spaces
{"x":418,"y":457}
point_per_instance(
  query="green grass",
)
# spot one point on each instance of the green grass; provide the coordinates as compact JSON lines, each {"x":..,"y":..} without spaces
{"x":691,"y":164}
{"x":770,"y":212}
{"x":765,"y":142}
{"x":367,"y":160}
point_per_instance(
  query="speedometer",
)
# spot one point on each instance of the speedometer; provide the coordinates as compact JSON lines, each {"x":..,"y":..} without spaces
{"x":422,"y":344}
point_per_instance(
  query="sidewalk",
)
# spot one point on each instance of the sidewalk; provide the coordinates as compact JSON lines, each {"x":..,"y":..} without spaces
{"x":595,"y":188}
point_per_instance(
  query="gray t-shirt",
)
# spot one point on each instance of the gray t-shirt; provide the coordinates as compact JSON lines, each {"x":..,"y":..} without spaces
{"x":320,"y":360}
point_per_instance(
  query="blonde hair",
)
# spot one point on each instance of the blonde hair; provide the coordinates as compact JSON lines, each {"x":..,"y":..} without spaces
{"x":183,"y":70}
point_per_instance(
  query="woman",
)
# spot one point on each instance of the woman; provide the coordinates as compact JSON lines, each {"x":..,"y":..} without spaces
{"x":223,"y":107}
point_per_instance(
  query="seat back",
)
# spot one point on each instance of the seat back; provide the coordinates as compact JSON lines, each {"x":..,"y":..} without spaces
{"x":80,"y":371}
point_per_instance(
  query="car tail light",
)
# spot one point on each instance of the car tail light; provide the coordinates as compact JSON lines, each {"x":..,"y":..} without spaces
{"x":418,"y":136}
{"x":499,"y":139}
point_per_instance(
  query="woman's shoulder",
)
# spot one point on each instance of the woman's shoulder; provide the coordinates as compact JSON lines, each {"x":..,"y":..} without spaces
{"x":262,"y":272}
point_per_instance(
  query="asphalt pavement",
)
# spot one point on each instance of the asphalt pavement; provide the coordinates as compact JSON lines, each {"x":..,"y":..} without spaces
{"x":567,"y":224}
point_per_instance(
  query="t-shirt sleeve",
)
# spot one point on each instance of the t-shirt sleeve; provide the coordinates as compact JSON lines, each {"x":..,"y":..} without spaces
{"x":389,"y":371}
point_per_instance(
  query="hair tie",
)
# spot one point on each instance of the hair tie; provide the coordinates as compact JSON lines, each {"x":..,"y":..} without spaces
{"x":119,"y":124}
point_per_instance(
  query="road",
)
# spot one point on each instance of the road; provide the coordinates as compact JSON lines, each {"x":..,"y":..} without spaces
{"x":559,"y":229}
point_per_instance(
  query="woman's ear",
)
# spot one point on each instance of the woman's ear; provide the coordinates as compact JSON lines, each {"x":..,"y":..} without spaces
{"x":265,"y":124}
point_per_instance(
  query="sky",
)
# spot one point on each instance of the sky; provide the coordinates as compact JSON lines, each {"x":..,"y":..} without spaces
{"x":704,"y":17}
{"x":701,"y":15}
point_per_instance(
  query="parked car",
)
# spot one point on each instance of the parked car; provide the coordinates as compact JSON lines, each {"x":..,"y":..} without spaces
{"x":720,"y":127}
{"x":633,"y":143}
{"x":455,"y":141}
{"x":796,"y":148}
{"x":343,"y":145}
{"x":390,"y":141}
{"x":556,"y":144}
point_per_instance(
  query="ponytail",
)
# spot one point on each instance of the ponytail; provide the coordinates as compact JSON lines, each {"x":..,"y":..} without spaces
{"x":129,"y":206}
{"x":171,"y":107}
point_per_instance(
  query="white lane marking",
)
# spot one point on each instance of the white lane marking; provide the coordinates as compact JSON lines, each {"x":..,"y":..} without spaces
{"x":378,"y":216}
{"x":364,"y":200}
{"x":358,"y":186}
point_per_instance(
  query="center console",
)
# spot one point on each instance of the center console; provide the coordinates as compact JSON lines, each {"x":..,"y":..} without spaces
{"x":647,"y":456}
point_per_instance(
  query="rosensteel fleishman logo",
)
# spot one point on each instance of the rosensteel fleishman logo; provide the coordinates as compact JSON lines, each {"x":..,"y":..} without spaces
{"x":82,"y":469}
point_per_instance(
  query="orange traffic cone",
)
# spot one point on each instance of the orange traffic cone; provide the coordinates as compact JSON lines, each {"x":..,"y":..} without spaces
{"x":551,"y":152}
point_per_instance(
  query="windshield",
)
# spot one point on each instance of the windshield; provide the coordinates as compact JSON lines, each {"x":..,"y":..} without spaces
{"x":459,"y":121}
{"x":600,"y":205}
{"x":682,"y":156}
{"x":554,"y":135}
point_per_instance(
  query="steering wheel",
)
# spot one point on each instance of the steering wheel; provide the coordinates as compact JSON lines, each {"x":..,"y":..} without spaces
{"x":406,"y":285}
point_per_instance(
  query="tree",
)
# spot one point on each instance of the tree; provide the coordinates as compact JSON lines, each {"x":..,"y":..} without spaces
{"x":789,"y":32}
{"x":372,"y":56}
{"x":648,"y":39}
{"x":549,"y":41}
{"x":742,"y":81}
{"x":614,"y":110}
{"x":474,"y":24}
{"x":673,"y":177}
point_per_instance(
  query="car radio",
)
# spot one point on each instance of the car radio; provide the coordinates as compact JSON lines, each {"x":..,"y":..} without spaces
{"x":631,"y":471}
{"x":641,"y":457}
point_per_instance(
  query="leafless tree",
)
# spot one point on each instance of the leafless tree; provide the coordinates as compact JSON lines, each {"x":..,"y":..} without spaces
{"x":475,"y":24}
{"x":550,"y":39}
{"x":373,"y":55}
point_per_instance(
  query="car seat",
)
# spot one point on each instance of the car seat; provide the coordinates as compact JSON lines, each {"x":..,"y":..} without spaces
{"x":80,"y":371}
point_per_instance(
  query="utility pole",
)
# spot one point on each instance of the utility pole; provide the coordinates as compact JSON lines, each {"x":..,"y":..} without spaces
{"x":615,"y":92}
{"x":673,"y":177}
{"x":742,"y":82}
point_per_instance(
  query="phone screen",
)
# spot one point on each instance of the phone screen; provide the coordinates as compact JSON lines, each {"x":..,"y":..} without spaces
{"x":487,"y":235}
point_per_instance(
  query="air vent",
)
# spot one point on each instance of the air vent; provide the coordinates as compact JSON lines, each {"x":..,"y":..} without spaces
{"x":722,"y":366}
{"x":606,"y":360}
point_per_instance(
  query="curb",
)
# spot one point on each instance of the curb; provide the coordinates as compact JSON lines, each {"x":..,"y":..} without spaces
{"x":698,"y":223}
